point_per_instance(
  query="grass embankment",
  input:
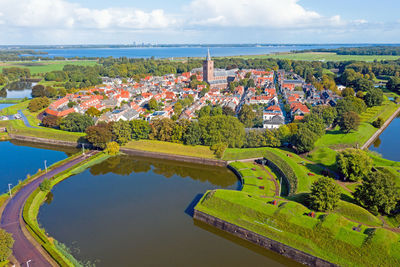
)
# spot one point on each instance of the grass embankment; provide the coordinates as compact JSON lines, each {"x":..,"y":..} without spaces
{"x":10,"y":100}
{"x":328,"y":236}
{"x":46,"y":66}
{"x":35,"y":200}
{"x":322,"y":56}
{"x":171,"y":148}
{"x":255,"y":180}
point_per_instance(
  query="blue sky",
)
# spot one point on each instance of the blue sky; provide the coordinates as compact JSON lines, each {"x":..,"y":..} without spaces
{"x":198,"y":21}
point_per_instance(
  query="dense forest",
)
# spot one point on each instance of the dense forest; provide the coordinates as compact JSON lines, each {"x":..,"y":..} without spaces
{"x":366,"y":50}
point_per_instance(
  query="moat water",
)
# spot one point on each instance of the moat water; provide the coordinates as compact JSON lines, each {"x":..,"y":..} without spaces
{"x":18,"y":159}
{"x":388,"y":143}
{"x":131,"y":211}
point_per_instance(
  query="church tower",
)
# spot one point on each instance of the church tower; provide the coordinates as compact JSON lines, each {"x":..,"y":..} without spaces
{"x":208,"y":68}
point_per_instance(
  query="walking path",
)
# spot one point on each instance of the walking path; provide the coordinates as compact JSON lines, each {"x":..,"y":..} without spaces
{"x":25,"y":120}
{"x":11,"y":219}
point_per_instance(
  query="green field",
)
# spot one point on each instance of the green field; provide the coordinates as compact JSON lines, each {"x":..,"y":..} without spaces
{"x":322,"y":56}
{"x":171,"y":148}
{"x":46,"y":66}
{"x":329,"y":235}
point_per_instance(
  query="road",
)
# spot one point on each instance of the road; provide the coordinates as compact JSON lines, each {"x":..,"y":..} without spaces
{"x":25,"y":120}
{"x":23,"y":249}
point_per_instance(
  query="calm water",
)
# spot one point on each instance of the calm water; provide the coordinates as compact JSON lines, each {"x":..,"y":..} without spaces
{"x":137,"y":212}
{"x":5,"y":105}
{"x":388,"y":143}
{"x":17,"y":90}
{"x":168,"y":52}
{"x":17,"y":159}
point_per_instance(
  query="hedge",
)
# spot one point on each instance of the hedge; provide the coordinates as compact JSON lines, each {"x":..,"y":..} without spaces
{"x":283,"y":168}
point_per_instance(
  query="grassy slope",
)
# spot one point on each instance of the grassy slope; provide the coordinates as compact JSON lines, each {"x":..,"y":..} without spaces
{"x":323,"y":57}
{"x":45,"y":66}
{"x":171,"y":148}
{"x":327,"y":236}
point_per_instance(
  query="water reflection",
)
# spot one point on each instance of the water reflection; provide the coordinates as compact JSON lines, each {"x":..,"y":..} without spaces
{"x":126,"y":165}
{"x":377,"y":142}
{"x":19,"y":89}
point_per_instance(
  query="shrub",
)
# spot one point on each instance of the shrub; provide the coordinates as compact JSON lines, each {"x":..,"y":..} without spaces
{"x":6,"y":244}
{"x":112,"y":148}
{"x":45,"y":185}
{"x":325,"y":195}
{"x":37,"y":104}
{"x":378,"y":123}
{"x":219,"y":149}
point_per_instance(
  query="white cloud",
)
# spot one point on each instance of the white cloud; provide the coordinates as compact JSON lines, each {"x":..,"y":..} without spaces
{"x":256,"y":13}
{"x":61,"y":14}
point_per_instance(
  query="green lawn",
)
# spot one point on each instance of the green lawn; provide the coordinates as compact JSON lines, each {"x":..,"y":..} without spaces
{"x":322,"y":56}
{"x":171,"y":148}
{"x":328,"y":236}
{"x":243,"y":153}
{"x":46,"y":66}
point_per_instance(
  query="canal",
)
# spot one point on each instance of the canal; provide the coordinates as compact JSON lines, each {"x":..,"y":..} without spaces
{"x":388,"y":143}
{"x":131,"y":211}
{"x":17,"y":159}
{"x":18,"y":89}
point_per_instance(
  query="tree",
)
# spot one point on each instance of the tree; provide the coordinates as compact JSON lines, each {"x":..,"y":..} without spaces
{"x":204,"y":111}
{"x":93,"y":112}
{"x":45,"y":185}
{"x":37,"y":104}
{"x":162,"y":129}
{"x":304,"y":139}
{"x":373,"y":97}
{"x":378,"y":123}
{"x":112,"y":148}
{"x":325,"y":195}
{"x":349,"y":121}
{"x":140,"y":129}
{"x":350,"y":103}
{"x":38,"y":91}
{"x":178,"y":108}
{"x":51,"y":121}
{"x":192,"y":135}
{"x":348,"y":91}
{"x":228,"y":111}
{"x":50,"y":91}
{"x":246,"y":116}
{"x":99,"y":135}
{"x":393,"y":84}
{"x":153,"y":105}
{"x":222,"y":129}
{"x":75,"y":122}
{"x":354,"y":163}
{"x":6,"y":244}
{"x":219,"y":149}
{"x":121,"y":131}
{"x":377,"y":193}
{"x":327,"y":113}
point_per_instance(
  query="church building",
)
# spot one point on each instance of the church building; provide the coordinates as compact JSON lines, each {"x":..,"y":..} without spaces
{"x":216,"y":78}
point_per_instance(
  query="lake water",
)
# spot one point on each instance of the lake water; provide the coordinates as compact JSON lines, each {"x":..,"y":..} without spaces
{"x":169,"y":52}
{"x":17,"y":90}
{"x":388,"y":143}
{"x":17,"y":159}
{"x":131,"y":211}
{"x":5,"y":105}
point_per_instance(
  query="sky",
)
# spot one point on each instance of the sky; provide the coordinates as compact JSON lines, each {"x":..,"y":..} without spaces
{"x":198,"y":21}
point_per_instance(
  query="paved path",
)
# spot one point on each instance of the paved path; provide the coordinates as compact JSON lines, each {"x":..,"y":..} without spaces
{"x":25,"y":120}
{"x":11,"y":221}
{"x":384,"y":126}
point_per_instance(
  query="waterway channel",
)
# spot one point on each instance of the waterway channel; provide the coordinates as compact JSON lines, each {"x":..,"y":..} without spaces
{"x":131,"y":211}
{"x":17,"y":159}
{"x":388,"y":143}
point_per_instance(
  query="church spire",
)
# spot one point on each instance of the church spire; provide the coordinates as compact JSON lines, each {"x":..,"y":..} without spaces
{"x":208,"y":54}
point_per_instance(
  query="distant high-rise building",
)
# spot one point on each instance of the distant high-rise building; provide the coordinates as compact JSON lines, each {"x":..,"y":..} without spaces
{"x":208,"y":68}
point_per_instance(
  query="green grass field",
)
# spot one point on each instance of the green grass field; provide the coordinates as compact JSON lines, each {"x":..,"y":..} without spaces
{"x":171,"y":148}
{"x":314,"y":56}
{"x":46,"y":66}
{"x":328,"y":236}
